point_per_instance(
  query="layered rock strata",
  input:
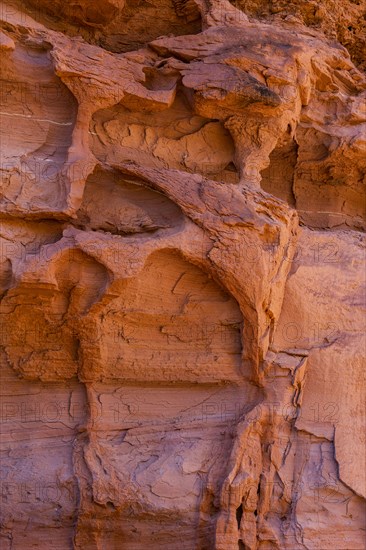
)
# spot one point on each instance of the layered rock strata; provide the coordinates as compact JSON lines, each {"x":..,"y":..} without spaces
{"x":182,"y":275}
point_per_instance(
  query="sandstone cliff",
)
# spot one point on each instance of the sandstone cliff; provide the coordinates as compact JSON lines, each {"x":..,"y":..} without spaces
{"x":183,"y":274}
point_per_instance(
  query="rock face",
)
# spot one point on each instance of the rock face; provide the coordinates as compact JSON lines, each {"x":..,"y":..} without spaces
{"x":182,"y":275}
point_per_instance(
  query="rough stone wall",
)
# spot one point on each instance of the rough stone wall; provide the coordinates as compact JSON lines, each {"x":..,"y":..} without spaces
{"x":183,"y":275}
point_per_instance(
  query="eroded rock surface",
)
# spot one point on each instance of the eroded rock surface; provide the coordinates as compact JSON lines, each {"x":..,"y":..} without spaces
{"x":183,"y":275}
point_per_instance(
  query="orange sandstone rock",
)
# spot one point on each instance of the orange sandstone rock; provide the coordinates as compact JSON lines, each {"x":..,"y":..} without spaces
{"x":182,"y":275}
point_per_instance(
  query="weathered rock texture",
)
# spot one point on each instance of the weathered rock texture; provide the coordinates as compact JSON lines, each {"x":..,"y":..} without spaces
{"x":182,"y":275}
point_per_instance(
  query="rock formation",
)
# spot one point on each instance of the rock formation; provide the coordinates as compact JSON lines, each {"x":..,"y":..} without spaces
{"x":182,"y":275}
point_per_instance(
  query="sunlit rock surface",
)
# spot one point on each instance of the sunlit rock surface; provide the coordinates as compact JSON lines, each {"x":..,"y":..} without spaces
{"x":183,"y":275}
